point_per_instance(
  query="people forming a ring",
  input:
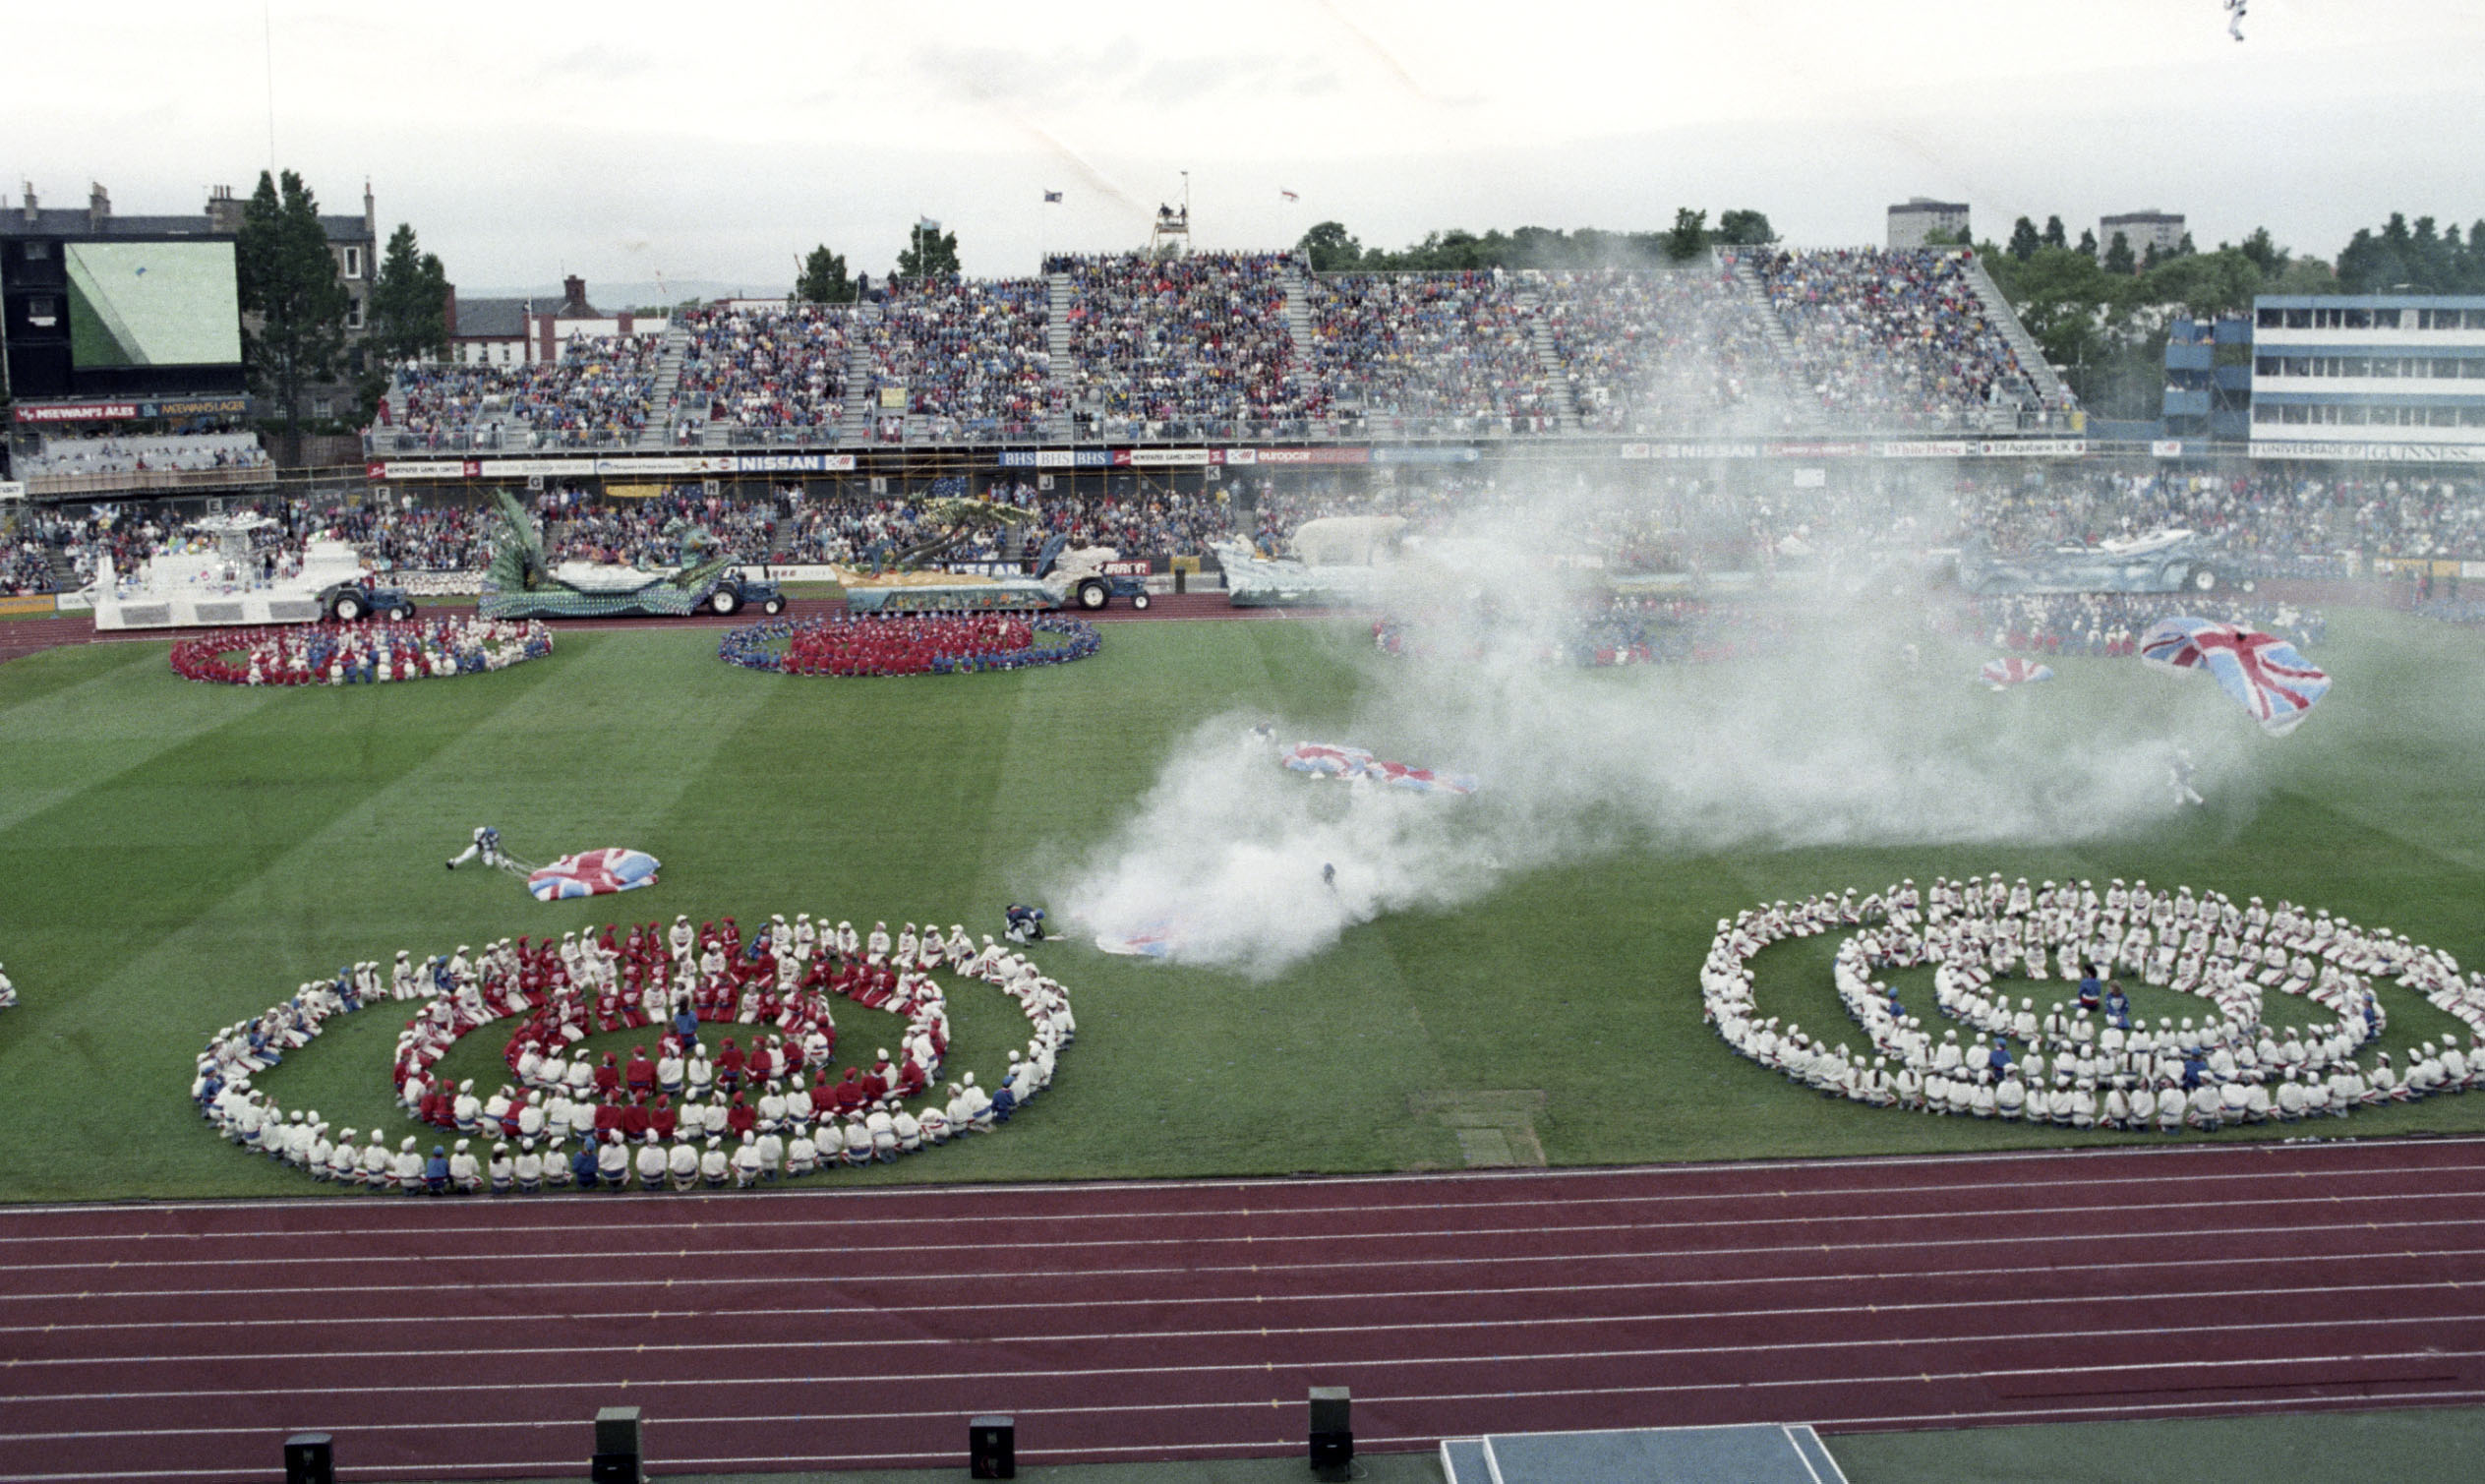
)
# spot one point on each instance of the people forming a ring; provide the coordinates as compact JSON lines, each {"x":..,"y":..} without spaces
{"x":951,"y":645}
{"x":2067,"y":1045}
{"x":348,"y":654}
{"x":690,"y":1107}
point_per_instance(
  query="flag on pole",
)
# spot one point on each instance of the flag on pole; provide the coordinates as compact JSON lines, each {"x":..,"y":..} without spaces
{"x":1052,"y":196}
{"x":1288,"y":195}
{"x":925,"y":223}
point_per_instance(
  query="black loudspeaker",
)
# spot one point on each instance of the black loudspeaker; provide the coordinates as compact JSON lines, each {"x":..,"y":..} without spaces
{"x":992,"y":1447}
{"x":616,"y":1456}
{"x":1332,"y":1439}
{"x":310,"y":1459}
{"x":616,"y":1430}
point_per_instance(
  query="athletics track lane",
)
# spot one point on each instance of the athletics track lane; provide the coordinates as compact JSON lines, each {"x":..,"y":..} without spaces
{"x":820,"y":1329}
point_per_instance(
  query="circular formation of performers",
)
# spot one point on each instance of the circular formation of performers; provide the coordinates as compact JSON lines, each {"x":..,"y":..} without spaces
{"x":689,"y":1108}
{"x":2086,"y":1059}
{"x":349,"y":654}
{"x":915,"y":645}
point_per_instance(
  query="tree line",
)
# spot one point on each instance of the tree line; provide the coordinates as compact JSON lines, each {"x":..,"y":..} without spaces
{"x":2102,"y":314}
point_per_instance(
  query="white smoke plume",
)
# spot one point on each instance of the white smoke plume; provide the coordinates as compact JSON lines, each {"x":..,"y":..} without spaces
{"x":1864,"y":728}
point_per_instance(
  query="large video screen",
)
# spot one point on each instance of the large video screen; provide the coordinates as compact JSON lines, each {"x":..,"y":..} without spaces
{"x":153,"y":304}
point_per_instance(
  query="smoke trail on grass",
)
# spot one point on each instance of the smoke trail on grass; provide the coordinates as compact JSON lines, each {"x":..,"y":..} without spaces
{"x":1842,"y":736}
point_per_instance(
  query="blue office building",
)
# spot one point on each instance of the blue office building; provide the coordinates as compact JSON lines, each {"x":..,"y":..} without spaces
{"x":2394,"y":378}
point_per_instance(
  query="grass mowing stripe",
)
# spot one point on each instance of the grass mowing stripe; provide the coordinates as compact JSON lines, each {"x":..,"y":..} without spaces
{"x":94,"y":712}
{"x":197,"y":884}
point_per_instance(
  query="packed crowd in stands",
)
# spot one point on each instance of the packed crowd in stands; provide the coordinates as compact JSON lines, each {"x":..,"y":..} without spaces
{"x":1896,"y":339}
{"x":2112,"y":624}
{"x":1182,"y":340}
{"x":1447,"y":352}
{"x":600,"y":391}
{"x":972,"y":356}
{"x":141,"y":452}
{"x":2265,"y":525}
{"x":1678,"y":353}
{"x":336,"y":654}
{"x":736,"y":1111}
{"x":2092,"y":1058}
{"x":768,"y":368}
{"x":919,"y":644}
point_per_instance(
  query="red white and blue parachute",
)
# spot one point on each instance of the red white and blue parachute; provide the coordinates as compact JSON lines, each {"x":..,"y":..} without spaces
{"x":1150,"y":940}
{"x":2262,"y":672}
{"x":1330,"y":760}
{"x":592,"y":873}
{"x":2004,"y":672}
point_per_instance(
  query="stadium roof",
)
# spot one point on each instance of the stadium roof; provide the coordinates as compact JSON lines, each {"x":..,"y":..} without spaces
{"x":489,"y":319}
{"x":79,"y":222}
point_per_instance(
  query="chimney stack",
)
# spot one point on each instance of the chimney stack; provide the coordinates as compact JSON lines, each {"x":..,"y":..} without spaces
{"x":98,"y":207}
{"x":29,"y":203}
{"x":575,"y":291}
{"x":224,"y":214}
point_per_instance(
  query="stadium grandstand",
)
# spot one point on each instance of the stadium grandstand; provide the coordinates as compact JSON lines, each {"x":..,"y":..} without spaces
{"x":1132,"y":348}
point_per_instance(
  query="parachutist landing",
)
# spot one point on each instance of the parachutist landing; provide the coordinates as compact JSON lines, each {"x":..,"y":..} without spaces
{"x":487,"y":845}
{"x":1328,"y":875}
{"x":2178,"y":770}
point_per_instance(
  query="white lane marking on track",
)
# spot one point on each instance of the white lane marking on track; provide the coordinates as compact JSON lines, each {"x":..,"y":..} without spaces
{"x":1020,"y":1275}
{"x":2377,"y":1149}
{"x":707,"y":1221}
{"x":1259,"y":1298}
{"x":1639,"y":1352}
{"x":2120,"y":1208}
{"x":1788,"y":1383}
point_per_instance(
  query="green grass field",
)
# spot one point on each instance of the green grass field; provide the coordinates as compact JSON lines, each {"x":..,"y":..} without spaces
{"x":175,"y":857}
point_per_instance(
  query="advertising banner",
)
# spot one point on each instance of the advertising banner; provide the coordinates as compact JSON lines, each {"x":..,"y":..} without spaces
{"x":793,"y":463}
{"x":1241,"y":456}
{"x":537,"y":468}
{"x":626,"y":467}
{"x":1167,"y":459}
{"x":12,"y":489}
{"x":2382,"y":453}
{"x":1056,"y":459}
{"x":1315,"y":456}
{"x":77,"y":412}
{"x":196,"y":406}
{"x":1425,"y":455}
{"x":2165,"y":447}
{"x":634,"y":492}
{"x":425,"y":468}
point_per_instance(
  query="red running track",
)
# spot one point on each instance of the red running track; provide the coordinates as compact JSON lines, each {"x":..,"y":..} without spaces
{"x":823,"y":1329}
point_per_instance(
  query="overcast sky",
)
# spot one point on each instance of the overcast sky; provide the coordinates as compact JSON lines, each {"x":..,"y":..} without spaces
{"x":716,"y":142}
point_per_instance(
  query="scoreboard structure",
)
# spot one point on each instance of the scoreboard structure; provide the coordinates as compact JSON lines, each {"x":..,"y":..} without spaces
{"x":117,"y":309}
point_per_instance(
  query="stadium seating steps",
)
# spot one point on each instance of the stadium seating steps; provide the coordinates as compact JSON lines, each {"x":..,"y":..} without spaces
{"x":1254,"y":345}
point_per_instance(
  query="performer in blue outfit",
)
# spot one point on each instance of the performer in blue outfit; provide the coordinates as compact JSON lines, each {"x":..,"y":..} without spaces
{"x":487,"y":845}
